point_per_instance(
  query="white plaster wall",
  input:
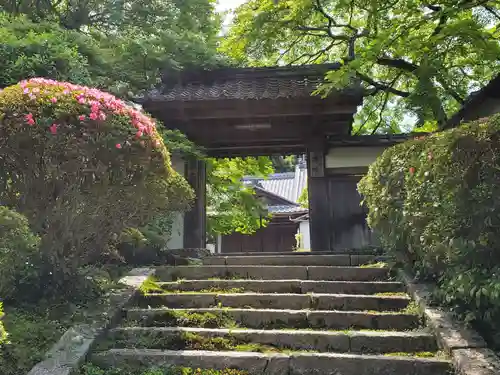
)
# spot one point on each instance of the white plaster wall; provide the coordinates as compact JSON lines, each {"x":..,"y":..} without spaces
{"x":177,"y":238}
{"x":349,"y":157}
{"x":306,"y":235}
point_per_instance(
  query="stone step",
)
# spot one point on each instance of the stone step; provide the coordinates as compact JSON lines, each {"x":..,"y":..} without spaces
{"x":329,"y":273}
{"x":374,"y":342}
{"x":279,"y":319}
{"x":288,"y":286}
{"x":274,"y":364}
{"x":345,"y":302}
{"x":290,"y":260}
{"x":372,"y":251}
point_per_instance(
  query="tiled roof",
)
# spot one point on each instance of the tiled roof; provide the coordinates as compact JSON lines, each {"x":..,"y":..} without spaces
{"x":288,"y":186}
{"x":286,"y":209}
{"x":242,"y":83}
{"x":270,"y":88}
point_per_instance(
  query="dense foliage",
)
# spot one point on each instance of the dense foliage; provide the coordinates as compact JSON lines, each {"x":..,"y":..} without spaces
{"x":82,"y":166}
{"x":117,"y":46}
{"x":434,"y":199}
{"x":304,"y":198}
{"x":233,"y":206}
{"x":416,"y":60}
{"x":3,"y":332}
{"x":31,"y":334}
{"x":44,"y":49}
{"x":18,"y":253}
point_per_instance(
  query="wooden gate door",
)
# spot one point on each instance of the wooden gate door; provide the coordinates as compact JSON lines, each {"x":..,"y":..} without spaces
{"x":347,"y":216}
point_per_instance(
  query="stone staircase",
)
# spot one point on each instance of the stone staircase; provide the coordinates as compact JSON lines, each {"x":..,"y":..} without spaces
{"x":277,"y":314}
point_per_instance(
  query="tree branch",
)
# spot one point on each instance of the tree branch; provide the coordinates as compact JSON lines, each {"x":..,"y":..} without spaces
{"x":449,"y":90}
{"x":331,"y":20}
{"x":326,"y":30}
{"x":398,"y":63}
{"x":299,"y":38}
{"x":316,"y":55}
{"x":442,"y":21}
{"x":434,"y":8}
{"x":381,"y":112}
{"x":382,"y":86}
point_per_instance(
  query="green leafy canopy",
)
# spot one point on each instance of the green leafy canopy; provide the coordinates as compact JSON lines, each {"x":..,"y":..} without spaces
{"x":416,"y":61}
{"x":122,"y":47}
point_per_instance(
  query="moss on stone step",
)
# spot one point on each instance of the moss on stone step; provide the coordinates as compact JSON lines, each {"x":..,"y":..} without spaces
{"x":90,"y":369}
{"x":182,"y":318}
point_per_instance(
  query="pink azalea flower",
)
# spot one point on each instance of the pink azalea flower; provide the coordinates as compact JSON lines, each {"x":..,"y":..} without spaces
{"x":118,"y":146}
{"x":81,"y":100}
{"x":53,"y":128}
{"x":412,"y":170}
{"x":139,"y":134}
{"x":53,"y":100}
{"x":29,"y":119}
{"x":26,"y":90}
{"x":81,"y":117}
{"x":102,"y":116}
{"x":93,"y":116}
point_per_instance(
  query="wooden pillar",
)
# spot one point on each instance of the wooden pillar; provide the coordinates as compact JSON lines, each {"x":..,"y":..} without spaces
{"x":319,"y":212}
{"x":195,"y":219}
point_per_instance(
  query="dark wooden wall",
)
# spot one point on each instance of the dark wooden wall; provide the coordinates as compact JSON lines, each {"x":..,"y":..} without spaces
{"x":347,"y":218}
{"x":337,"y":219}
{"x":275,"y":237}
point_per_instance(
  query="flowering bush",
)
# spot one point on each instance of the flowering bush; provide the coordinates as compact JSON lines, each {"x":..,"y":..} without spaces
{"x":81,"y":165}
{"x":436,"y":200}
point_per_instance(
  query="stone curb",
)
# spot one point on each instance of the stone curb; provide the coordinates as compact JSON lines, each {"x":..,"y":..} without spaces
{"x":466,"y":347}
{"x":73,"y":347}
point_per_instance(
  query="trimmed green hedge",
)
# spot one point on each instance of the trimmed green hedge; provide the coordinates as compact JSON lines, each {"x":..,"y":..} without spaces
{"x":436,"y":200}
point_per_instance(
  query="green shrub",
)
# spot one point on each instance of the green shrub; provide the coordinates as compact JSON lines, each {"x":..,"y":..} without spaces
{"x":43,"y":49}
{"x":86,"y":166}
{"x":143,"y":246}
{"x":435,"y":199}
{"x":18,"y":255}
{"x":31,"y":334}
{"x":3,"y":332}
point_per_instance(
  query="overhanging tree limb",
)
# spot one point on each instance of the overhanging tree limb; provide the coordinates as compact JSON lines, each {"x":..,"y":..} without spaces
{"x":398,"y":63}
{"x":382,"y":86}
